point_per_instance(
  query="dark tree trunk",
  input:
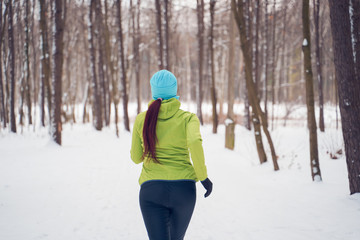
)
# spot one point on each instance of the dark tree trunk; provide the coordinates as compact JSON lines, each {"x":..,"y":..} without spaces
{"x":167,"y":35}
{"x":122,"y":68}
{"x":348,"y":88}
{"x":266,"y":59}
{"x":27,"y":61}
{"x":44,"y":64}
{"x":136,"y":42}
{"x":356,"y":34}
{"x":159,"y":34}
{"x":213,"y":87}
{"x":12,"y":67}
{"x":306,"y":47}
{"x":273,"y":66}
{"x":200,"y":17}
{"x":59,"y":11}
{"x":316,"y":6}
{"x":103,"y":89}
{"x":2,"y":97}
{"x":97,"y":105}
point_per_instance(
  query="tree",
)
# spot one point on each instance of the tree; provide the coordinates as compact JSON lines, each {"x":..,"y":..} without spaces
{"x":122,"y":68}
{"x":27,"y":61}
{"x":44,"y":64}
{"x":57,"y":42}
{"x":159,"y":35}
{"x":306,"y":47}
{"x":136,"y":50}
{"x":2,"y":97}
{"x":200,"y":35}
{"x":211,"y":46}
{"x":97,"y":105}
{"x":12,"y":67}
{"x":230,"y":123}
{"x":238,"y":11}
{"x":316,"y":10}
{"x":348,"y":87}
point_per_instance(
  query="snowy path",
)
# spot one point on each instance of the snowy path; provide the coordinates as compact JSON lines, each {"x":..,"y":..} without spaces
{"x":88,"y":189}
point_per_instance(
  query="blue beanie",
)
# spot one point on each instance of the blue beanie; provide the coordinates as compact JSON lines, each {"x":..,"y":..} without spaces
{"x":163,"y":85}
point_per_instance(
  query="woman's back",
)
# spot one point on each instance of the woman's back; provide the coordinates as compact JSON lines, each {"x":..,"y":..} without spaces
{"x":175,"y":130}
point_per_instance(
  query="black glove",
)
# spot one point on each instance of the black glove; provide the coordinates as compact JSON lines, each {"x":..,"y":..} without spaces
{"x":208,"y":186}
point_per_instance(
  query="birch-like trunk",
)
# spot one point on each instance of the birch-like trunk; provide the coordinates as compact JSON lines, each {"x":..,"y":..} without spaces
{"x":306,"y":47}
{"x":57,"y":42}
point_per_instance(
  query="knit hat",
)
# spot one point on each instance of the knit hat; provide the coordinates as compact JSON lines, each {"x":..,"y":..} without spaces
{"x":163,"y":85}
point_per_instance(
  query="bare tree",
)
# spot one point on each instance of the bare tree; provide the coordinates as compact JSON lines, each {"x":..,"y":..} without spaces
{"x":27,"y":84}
{"x":314,"y":156}
{"x":200,"y":17}
{"x":159,"y":34}
{"x":348,"y":87}
{"x":97,"y":105}
{"x":316,"y":11}
{"x":238,"y":10}
{"x":230,"y":123}
{"x":2,"y":97}
{"x":122,"y":68}
{"x":211,"y":46}
{"x":44,"y":64}
{"x":12,"y":67}
{"x":59,"y":15}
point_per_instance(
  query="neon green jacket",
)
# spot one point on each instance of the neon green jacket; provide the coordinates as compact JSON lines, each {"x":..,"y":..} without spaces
{"x":178,"y":134}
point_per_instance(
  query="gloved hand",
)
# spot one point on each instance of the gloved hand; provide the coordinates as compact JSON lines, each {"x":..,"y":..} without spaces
{"x":208,"y":186}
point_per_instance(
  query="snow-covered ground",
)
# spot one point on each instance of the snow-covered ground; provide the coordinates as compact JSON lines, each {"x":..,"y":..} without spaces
{"x":87,"y":189}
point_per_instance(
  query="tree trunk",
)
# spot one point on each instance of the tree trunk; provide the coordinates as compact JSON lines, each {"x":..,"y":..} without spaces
{"x":283,"y":68}
{"x":213,"y":87}
{"x":266,"y":59}
{"x":316,"y":6}
{"x":355,"y":18}
{"x":44,"y":64}
{"x":2,"y":97}
{"x":136,"y":42}
{"x":200,"y":17}
{"x":230,"y":124}
{"x":57,"y":70}
{"x":103,"y":89}
{"x":348,"y":88}
{"x":306,"y":47}
{"x":167,"y":33}
{"x":27,"y":61}
{"x":159,"y":34}
{"x":97,"y":105}
{"x":254,"y":100}
{"x":12,"y":67}
{"x":273,"y":67}
{"x":122,"y":68}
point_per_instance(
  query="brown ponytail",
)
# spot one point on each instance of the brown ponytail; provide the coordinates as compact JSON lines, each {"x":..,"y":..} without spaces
{"x":149,"y":131}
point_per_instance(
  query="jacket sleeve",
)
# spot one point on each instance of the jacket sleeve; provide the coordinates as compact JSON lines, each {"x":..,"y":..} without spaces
{"x":194,"y":142}
{"x":136,"y":151}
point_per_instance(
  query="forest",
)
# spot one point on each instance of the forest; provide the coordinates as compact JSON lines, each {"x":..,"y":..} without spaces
{"x":70,"y":62}
{"x":275,"y":85}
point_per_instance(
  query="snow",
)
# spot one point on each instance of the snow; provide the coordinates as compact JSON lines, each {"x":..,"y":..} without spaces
{"x":305,"y":42}
{"x":88,"y":188}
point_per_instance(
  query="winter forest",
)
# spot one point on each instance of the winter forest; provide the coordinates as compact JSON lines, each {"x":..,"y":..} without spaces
{"x":274,"y":83}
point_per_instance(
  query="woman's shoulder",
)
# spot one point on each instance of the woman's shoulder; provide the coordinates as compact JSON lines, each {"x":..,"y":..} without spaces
{"x":186,"y":115}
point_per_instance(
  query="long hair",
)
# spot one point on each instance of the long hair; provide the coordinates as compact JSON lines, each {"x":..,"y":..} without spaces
{"x":149,"y":131}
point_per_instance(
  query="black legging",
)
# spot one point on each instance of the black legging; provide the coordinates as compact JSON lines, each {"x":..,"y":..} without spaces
{"x":167,"y":207}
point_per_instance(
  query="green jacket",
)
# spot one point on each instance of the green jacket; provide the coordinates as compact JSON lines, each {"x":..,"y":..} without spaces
{"x":178,"y":134}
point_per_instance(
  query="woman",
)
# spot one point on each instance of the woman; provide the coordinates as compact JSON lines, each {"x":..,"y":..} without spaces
{"x":162,"y":139}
